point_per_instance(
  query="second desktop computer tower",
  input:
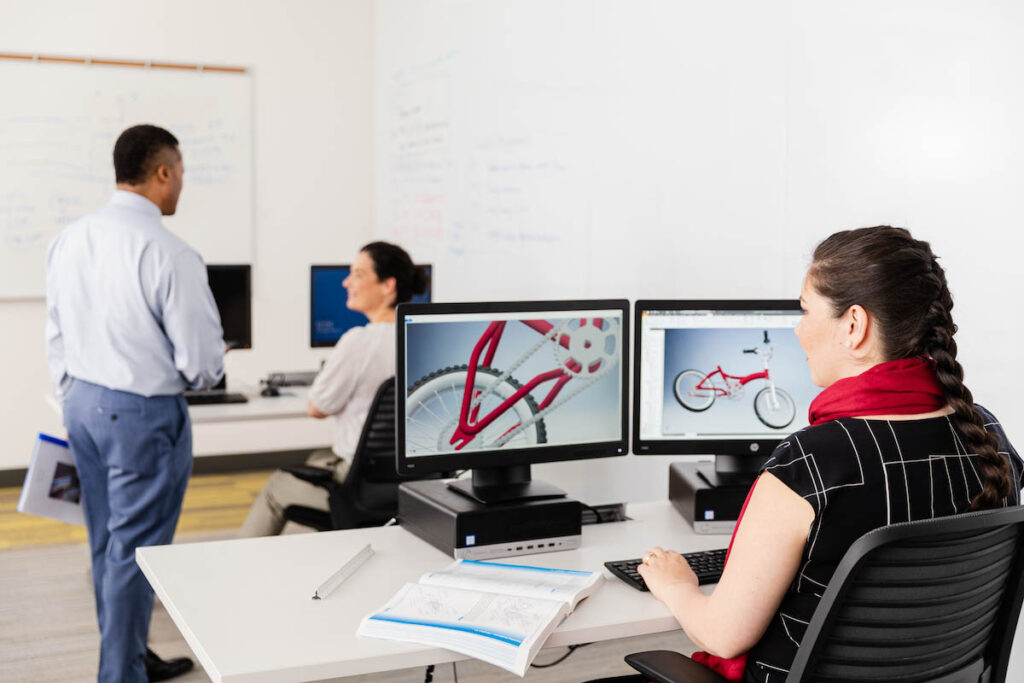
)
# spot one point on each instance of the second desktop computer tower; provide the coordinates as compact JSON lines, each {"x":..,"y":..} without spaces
{"x":710,"y":505}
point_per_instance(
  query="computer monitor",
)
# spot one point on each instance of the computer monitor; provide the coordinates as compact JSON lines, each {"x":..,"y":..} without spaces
{"x":496,"y":387}
{"x":231,"y":286}
{"x":726,"y":378}
{"x":329,"y":317}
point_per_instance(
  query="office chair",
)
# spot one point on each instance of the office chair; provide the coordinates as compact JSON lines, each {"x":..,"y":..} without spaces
{"x":368,"y":496}
{"x":933,"y":601}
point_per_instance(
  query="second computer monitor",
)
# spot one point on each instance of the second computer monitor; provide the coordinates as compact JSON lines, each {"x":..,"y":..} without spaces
{"x":330,"y":317}
{"x":727,"y":378}
{"x":498,"y":386}
{"x":231,"y":289}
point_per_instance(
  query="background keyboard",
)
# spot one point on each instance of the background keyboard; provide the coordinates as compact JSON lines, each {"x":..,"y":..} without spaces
{"x":706,"y":564}
{"x":215,"y":396}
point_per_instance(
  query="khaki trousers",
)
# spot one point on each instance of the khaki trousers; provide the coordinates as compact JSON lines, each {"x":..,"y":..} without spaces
{"x":266,"y":517}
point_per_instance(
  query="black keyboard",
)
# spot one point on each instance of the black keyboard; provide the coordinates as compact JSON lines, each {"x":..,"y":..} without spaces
{"x":706,"y":564}
{"x":202,"y":398}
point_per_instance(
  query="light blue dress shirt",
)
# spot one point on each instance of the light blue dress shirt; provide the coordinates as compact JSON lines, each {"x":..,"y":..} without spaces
{"x":128,"y":305}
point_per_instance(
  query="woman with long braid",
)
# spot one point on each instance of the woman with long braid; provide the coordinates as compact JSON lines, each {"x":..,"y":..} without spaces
{"x":895,"y":436}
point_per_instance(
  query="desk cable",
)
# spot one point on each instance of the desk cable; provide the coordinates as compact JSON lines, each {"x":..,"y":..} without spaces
{"x":572,"y":648}
{"x":597,"y":515}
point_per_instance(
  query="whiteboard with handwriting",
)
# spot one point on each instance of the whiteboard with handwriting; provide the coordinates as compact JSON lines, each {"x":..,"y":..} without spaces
{"x":679,"y":149}
{"x":58,"y":125}
{"x":582,"y":148}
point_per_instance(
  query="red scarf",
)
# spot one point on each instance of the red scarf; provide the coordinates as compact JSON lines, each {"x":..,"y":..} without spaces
{"x":898,"y":387}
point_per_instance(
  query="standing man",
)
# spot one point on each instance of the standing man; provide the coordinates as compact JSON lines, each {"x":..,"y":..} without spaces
{"x":130,"y":324}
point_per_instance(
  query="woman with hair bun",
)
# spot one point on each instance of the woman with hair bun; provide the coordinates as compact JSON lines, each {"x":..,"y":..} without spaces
{"x":382,"y":276}
{"x":895,"y":436}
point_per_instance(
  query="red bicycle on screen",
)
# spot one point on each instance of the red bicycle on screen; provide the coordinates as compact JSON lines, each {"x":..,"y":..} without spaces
{"x":478,"y":406}
{"x":697,"y":391}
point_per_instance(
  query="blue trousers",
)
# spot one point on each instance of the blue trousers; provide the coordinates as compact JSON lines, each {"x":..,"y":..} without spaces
{"x":134,"y":456}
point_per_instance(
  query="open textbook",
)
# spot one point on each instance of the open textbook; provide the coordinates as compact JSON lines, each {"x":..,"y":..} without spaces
{"x":500,"y":613}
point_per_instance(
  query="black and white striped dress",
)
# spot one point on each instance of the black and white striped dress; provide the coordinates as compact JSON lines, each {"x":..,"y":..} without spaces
{"x":860,"y":475}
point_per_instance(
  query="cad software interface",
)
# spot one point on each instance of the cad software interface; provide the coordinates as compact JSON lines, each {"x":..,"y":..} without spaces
{"x":722,"y":375}
{"x":489,"y":381}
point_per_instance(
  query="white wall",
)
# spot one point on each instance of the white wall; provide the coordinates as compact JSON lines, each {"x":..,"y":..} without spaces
{"x":686,"y":149}
{"x":311,"y":65}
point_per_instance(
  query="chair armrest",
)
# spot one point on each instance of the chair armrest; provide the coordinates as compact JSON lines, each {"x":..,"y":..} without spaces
{"x":318,"y":476}
{"x":666,"y":666}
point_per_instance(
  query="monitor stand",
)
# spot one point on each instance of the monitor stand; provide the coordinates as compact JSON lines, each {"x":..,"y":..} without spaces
{"x":504,"y":485}
{"x":734,"y":470}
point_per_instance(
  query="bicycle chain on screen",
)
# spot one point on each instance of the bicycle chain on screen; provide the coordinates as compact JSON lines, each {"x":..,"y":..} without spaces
{"x":553,"y":333}
{"x":562,"y":357}
{"x":492,"y":387}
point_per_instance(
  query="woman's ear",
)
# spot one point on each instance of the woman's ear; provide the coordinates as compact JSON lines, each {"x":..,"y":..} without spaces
{"x":858,"y":329}
{"x":391,"y":289}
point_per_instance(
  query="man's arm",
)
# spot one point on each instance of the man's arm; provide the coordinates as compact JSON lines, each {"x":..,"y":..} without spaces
{"x":54,"y":337}
{"x":192,"y":323}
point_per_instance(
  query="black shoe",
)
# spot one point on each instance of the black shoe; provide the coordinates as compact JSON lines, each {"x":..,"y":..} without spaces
{"x":159,"y":670}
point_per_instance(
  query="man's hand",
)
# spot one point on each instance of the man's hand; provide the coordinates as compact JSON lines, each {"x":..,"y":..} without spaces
{"x":664,"y":570}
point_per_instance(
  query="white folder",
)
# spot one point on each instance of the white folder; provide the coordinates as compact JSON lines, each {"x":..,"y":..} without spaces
{"x":52,"y":488}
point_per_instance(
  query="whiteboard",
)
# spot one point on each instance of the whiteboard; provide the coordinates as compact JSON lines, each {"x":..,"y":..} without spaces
{"x":683,"y":149}
{"x":581,"y":148}
{"x":58,"y":125}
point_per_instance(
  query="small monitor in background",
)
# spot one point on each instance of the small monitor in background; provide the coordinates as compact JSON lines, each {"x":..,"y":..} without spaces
{"x":231,"y":286}
{"x":329,"y":316}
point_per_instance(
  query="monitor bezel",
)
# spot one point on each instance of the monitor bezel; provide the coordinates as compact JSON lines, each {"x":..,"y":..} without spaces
{"x":757,"y":448}
{"x":247,"y":269}
{"x":426,"y":464}
{"x":315,"y":343}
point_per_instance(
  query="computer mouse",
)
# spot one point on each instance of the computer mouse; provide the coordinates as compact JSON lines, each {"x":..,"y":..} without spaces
{"x":270,"y":391}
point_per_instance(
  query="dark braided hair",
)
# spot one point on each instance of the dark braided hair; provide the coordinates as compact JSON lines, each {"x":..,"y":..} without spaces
{"x":899,"y":281}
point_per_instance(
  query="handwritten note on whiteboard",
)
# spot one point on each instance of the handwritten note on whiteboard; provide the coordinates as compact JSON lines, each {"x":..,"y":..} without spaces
{"x":57,"y":131}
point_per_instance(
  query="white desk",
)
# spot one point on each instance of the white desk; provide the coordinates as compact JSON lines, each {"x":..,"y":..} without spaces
{"x":263,"y":425}
{"x":245,"y":606}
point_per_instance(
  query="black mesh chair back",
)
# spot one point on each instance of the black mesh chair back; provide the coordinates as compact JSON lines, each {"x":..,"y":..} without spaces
{"x":368,"y":496}
{"x":933,"y":600}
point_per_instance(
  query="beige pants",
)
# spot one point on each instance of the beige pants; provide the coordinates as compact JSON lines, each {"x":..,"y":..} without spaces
{"x":266,"y":517}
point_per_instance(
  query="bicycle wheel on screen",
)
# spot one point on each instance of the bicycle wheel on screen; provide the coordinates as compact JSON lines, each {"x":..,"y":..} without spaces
{"x":777,"y":413}
{"x":689,"y":395}
{"x":433,"y":404}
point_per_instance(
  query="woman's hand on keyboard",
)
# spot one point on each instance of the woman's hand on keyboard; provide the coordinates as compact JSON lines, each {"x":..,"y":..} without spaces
{"x":662,"y":570}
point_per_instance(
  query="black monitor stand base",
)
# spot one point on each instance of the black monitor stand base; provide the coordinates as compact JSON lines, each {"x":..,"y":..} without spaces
{"x":505,"y":493}
{"x":715,"y":479}
{"x":504,"y":485}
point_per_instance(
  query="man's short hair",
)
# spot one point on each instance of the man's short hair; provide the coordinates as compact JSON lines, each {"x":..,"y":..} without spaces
{"x":138,"y":151}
